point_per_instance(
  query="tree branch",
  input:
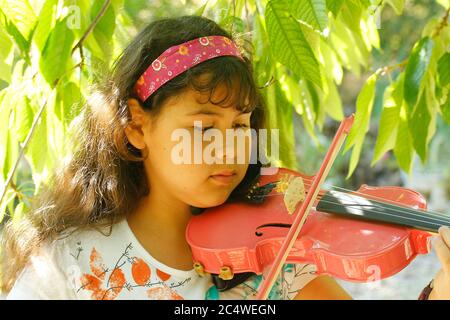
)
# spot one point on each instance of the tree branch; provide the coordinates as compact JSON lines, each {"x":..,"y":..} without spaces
{"x":9,"y":181}
{"x":442,"y":24}
{"x":22,"y":151}
{"x":91,"y":28}
{"x":36,"y":120}
{"x":388,"y":69}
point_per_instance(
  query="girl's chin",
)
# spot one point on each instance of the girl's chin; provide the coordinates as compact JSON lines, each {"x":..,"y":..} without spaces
{"x":212,"y":200}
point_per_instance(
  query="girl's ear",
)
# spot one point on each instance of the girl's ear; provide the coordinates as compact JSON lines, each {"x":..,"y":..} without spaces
{"x":135,"y":128}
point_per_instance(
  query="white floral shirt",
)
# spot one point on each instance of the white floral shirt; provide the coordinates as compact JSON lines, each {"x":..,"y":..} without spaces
{"x":89,"y":264}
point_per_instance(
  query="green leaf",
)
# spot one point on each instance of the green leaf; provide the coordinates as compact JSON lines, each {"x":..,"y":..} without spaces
{"x":445,"y":109}
{"x":12,"y":150}
{"x":5,"y":71}
{"x":24,"y":118}
{"x":7,"y":200}
{"x":6,"y":49}
{"x":18,"y":211}
{"x":403,"y":149}
{"x":369,"y":33}
{"x":37,"y":152}
{"x":57,"y":52}
{"x":104,"y":29}
{"x":8,"y":141}
{"x":312,"y":12}
{"x":415,"y":70}
{"x":351,"y":13}
{"x":314,"y":98}
{"x":387,"y":132}
{"x":235,"y":23}
{"x":345,"y":46}
{"x":354,"y":159}
{"x":21,"y":14}
{"x":7,"y":45}
{"x":444,"y":69}
{"x":363,"y":3}
{"x":201,"y":10}
{"x":300,"y":98}
{"x":364,"y":104}
{"x":5,"y":109}
{"x":284,"y":119}
{"x":68,"y":100}
{"x":104,"y":24}
{"x":330,"y":62}
{"x":419,"y":124}
{"x":334,"y":6}
{"x":279,"y":116}
{"x":397,"y":5}
{"x":46,"y":22}
{"x":332,"y":103}
{"x":22,"y":43}
{"x":288,"y":43}
{"x":37,"y":149}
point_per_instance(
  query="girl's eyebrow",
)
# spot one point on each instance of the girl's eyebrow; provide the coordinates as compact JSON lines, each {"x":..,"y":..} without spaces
{"x":210,"y":112}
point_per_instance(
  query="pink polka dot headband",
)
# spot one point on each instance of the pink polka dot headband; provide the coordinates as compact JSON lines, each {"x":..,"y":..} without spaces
{"x":177,"y":59}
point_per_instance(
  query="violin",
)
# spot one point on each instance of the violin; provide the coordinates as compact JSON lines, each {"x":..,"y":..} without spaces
{"x":364,"y":235}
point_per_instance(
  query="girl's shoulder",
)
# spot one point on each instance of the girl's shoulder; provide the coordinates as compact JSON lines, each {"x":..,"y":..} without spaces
{"x":85,"y":245}
{"x":99,"y":234}
{"x":62,"y":267}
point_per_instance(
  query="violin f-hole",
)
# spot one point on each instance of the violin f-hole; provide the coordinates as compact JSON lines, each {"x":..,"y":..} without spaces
{"x":279,"y":225}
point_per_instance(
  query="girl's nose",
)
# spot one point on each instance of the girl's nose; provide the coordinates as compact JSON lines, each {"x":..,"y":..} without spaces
{"x":234,"y":148}
{"x":227,"y":152}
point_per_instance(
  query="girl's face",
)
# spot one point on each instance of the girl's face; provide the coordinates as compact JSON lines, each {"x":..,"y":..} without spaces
{"x":164,"y":139}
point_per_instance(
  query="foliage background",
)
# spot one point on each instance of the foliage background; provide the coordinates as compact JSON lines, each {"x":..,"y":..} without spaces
{"x":318,"y":60}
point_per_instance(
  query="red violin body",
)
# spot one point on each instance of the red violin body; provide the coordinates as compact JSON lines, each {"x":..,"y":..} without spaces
{"x":239,"y":237}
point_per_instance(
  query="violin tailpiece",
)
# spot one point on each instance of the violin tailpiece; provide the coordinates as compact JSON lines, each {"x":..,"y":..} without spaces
{"x":224,"y":285}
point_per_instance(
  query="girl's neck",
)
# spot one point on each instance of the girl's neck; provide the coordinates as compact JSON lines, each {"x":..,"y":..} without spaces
{"x":159,"y":212}
{"x":162,"y":212}
{"x":159,"y":224}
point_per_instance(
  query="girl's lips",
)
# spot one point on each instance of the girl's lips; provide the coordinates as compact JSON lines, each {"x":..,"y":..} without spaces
{"x":223,"y":178}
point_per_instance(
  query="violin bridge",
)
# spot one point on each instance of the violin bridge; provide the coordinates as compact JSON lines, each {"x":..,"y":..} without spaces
{"x":293,"y":189}
{"x":226,"y":273}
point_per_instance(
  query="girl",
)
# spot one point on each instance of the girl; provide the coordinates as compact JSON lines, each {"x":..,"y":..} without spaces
{"x":113,"y":224}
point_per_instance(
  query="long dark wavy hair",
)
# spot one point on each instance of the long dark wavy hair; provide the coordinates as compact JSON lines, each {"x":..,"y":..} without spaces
{"x":104,"y":178}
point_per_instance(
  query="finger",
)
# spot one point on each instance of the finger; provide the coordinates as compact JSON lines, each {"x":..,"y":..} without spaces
{"x":443,"y":253}
{"x":444,"y":232}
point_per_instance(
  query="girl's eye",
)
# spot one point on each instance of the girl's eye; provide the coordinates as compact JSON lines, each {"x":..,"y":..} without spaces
{"x":236,"y":126}
{"x":202,"y":129}
{"x":241,"y":125}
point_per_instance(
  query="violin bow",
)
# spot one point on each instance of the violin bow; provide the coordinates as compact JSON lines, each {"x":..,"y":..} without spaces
{"x":305,"y":208}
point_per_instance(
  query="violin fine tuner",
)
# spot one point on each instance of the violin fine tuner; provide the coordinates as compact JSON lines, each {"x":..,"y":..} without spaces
{"x":226,"y":273}
{"x":252,"y":190}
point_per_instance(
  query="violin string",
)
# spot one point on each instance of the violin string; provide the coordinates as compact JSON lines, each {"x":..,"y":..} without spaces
{"x":391,"y":202}
{"x":381,"y":213}
{"x":403,"y":210}
{"x":397,"y":208}
{"x":422,"y":218}
{"x":430,"y":212}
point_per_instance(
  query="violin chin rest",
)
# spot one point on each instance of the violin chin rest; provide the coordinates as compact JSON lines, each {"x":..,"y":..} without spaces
{"x":238,"y":278}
